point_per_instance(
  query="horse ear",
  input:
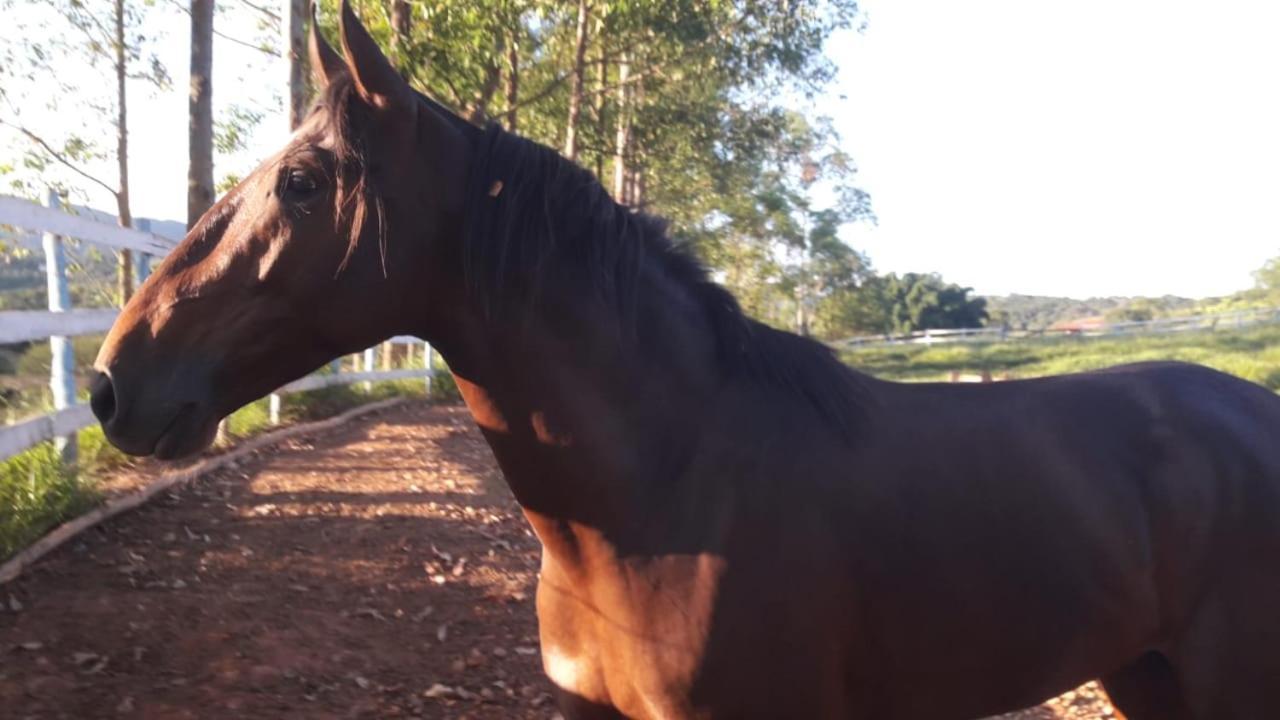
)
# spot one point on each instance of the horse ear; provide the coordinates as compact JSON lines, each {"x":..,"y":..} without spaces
{"x":325,"y":62}
{"x":376,"y":80}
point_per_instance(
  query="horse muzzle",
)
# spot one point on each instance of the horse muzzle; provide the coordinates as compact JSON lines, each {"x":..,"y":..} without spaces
{"x":166,"y":419}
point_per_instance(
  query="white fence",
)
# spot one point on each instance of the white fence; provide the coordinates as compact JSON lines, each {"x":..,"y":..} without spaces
{"x":1215,"y":321}
{"x":61,"y":322}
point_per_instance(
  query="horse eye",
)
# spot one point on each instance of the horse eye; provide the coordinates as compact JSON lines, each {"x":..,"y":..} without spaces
{"x":301,"y":183}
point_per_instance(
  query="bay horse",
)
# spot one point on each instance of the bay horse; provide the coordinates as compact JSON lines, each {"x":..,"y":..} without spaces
{"x":734,"y":524}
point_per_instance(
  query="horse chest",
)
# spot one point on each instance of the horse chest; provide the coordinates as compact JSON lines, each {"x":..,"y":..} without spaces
{"x":628,"y":644}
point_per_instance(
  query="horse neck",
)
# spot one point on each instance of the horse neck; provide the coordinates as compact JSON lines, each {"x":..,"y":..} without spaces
{"x":590,"y":428}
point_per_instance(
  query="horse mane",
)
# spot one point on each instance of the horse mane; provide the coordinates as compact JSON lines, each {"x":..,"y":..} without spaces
{"x":531,"y":214}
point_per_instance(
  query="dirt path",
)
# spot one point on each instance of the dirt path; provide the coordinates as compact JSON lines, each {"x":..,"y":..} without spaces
{"x":378,"y":571}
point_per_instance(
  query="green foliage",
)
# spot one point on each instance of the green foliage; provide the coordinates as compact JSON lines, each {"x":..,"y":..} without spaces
{"x":1268,"y":276}
{"x":38,"y":356}
{"x":1253,"y":354}
{"x":255,"y":417}
{"x":682,"y":114}
{"x":34,"y":52}
{"x":917,"y":301}
{"x":231,"y":131}
{"x":37,"y":491}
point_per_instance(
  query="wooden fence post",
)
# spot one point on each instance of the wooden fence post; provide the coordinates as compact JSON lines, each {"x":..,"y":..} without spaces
{"x":427,"y":358}
{"x":368,"y":367}
{"x":142,"y":261}
{"x":62,"y":370}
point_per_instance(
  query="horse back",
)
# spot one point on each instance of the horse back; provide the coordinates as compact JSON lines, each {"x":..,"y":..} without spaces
{"x":1030,"y":531}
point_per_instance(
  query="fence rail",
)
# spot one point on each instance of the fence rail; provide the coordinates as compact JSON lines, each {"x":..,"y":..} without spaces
{"x":25,"y":325}
{"x":60,"y":322}
{"x":33,"y":216}
{"x":1211,"y":321}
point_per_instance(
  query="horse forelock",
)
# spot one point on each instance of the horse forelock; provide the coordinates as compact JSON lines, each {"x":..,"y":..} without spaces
{"x":344,"y":123}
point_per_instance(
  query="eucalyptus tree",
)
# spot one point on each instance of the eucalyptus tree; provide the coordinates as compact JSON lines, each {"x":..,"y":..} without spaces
{"x":681,"y":107}
{"x":40,"y":90}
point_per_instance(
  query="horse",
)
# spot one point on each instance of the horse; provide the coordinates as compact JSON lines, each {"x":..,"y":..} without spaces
{"x":734,"y":523}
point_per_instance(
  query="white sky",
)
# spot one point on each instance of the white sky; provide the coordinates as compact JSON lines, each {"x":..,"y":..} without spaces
{"x":1097,"y":147}
{"x":1092,"y":147}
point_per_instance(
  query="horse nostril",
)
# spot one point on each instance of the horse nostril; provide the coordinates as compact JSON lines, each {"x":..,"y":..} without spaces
{"x":102,"y":398}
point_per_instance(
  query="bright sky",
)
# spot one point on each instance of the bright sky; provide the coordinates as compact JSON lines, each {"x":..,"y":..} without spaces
{"x":1098,"y":147}
{"x":1093,"y":147}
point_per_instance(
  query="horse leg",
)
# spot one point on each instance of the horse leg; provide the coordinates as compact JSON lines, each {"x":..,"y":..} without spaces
{"x":1147,"y":690}
{"x":575,"y":707}
{"x":1228,"y":659}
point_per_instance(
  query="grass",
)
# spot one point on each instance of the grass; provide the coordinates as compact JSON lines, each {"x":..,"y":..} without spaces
{"x":1252,"y":353}
{"x":38,"y":491}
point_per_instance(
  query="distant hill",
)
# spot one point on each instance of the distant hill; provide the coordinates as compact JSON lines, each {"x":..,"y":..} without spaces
{"x":1036,"y":312}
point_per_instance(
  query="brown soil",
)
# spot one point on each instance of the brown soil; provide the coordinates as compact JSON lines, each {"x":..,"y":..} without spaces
{"x":378,"y":571}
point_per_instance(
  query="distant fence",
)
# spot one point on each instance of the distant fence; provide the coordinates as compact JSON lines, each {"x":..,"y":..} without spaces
{"x":61,"y":322}
{"x":1214,"y":321}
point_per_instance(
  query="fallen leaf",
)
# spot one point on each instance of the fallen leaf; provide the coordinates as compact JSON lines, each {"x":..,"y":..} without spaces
{"x":438,"y":691}
{"x":369,"y":612}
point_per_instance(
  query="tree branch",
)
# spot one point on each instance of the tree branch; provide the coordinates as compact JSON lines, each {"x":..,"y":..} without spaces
{"x":59,"y":156}
{"x":96,"y":46}
{"x":238,"y":41}
{"x":634,"y":77}
{"x":224,"y":36}
{"x":458,"y":102}
{"x":269,"y":13}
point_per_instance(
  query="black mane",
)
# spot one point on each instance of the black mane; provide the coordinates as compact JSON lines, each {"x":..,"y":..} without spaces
{"x":530,"y":211}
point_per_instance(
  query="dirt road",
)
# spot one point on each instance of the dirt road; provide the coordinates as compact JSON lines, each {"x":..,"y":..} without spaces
{"x":378,"y":571}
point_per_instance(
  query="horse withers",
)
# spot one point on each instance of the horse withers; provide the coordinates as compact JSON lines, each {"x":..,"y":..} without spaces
{"x":733,"y":523}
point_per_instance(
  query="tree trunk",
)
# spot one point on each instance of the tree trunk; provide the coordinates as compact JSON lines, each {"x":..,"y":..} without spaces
{"x":200,"y":113}
{"x":637,"y":185}
{"x":637,"y":153}
{"x":296,"y":54}
{"x":622,"y":133}
{"x":124,"y":262}
{"x":479,"y":111}
{"x":579,"y":79}
{"x":513,"y":83}
{"x":602,"y":77}
{"x":401,"y":18}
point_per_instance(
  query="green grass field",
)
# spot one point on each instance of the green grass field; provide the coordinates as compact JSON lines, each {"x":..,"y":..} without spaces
{"x":1253,"y":354}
